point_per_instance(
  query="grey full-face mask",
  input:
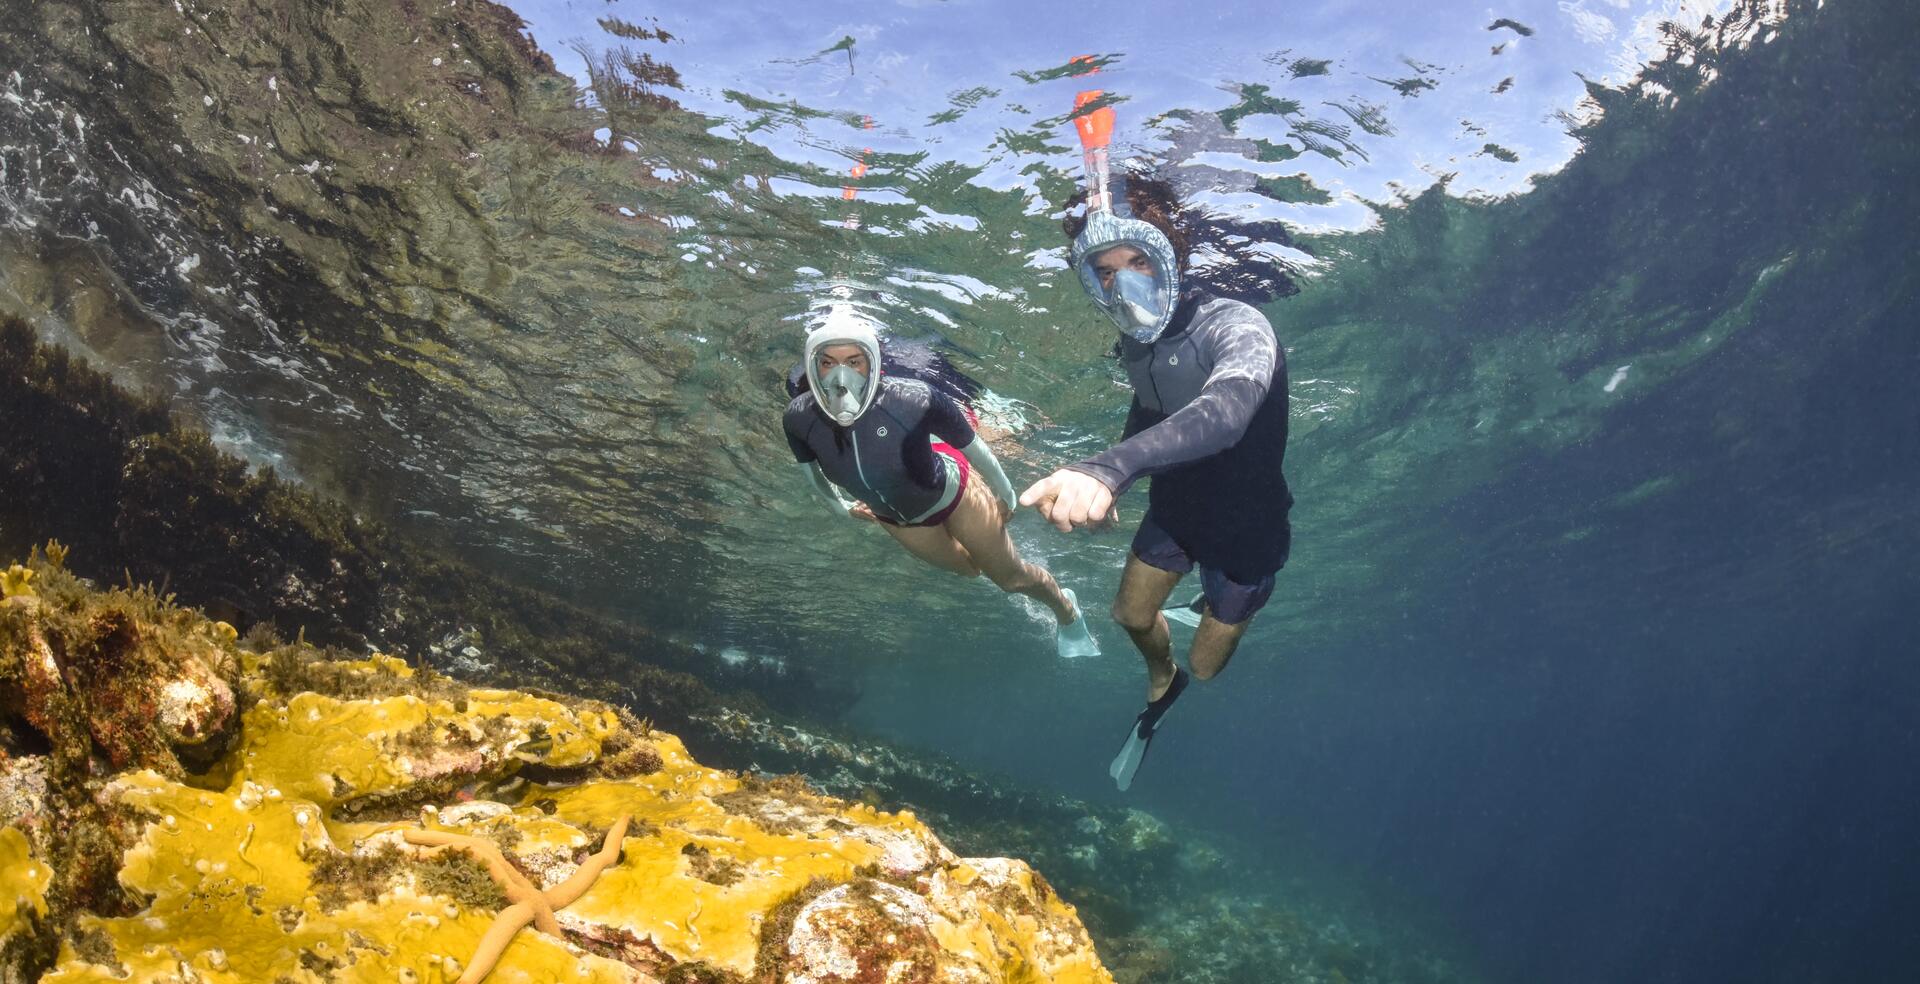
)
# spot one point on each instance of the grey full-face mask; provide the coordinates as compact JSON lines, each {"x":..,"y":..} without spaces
{"x":843,"y":392}
{"x":1140,"y":304}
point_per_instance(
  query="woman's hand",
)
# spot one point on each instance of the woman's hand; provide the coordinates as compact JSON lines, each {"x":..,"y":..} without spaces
{"x":862,"y":511}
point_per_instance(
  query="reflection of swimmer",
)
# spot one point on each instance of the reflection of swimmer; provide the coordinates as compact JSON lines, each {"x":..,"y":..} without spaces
{"x":907,"y":452}
{"x":1208,"y":422}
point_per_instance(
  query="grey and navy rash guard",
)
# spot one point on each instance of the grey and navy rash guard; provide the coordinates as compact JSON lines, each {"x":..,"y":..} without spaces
{"x":1209,"y":422}
{"x":884,"y":459}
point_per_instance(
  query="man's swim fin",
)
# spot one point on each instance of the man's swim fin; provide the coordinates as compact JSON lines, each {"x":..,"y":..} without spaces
{"x":1140,"y":735}
{"x":1187,"y":614}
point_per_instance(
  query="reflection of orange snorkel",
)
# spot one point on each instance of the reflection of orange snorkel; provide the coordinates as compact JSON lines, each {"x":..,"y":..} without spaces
{"x":1096,"y":129}
{"x":858,"y":171}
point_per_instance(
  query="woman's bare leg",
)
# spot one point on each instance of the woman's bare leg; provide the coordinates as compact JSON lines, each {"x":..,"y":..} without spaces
{"x":980,"y":526}
{"x":936,"y":546}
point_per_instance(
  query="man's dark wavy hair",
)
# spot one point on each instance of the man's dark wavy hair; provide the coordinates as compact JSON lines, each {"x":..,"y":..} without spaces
{"x":1153,"y":201}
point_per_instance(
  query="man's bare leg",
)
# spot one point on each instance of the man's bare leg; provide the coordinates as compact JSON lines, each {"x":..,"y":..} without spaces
{"x":1213,"y":645}
{"x":1143,"y":590}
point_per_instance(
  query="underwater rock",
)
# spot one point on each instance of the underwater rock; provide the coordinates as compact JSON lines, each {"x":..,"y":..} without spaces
{"x":371,"y":822}
{"x":116,"y":674}
{"x":867,"y":931}
{"x":23,"y":895}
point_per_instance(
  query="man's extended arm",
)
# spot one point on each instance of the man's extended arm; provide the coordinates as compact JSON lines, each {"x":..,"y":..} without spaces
{"x":1212,"y":423}
{"x":1245,"y":356}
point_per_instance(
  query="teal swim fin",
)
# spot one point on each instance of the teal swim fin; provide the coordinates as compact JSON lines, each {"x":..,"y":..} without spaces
{"x":1187,"y":614}
{"x":1073,"y":639}
{"x":1134,"y":751}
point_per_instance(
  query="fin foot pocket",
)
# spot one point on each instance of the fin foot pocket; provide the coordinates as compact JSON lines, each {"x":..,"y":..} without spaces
{"x":1134,"y":750}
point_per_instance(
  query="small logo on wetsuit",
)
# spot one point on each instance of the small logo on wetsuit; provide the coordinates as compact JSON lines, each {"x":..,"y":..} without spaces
{"x":1173,"y":360}
{"x":882,"y":432}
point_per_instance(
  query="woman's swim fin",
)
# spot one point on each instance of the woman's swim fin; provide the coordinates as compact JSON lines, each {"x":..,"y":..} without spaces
{"x":1074,"y":639}
{"x":1134,"y":750}
{"x":1187,"y":614}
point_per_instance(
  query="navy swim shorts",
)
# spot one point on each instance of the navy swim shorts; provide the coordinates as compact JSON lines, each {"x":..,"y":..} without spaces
{"x":1230,"y":601}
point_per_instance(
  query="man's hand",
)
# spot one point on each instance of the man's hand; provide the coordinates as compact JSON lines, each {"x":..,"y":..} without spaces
{"x":862,"y":511}
{"x":1069,"y":498}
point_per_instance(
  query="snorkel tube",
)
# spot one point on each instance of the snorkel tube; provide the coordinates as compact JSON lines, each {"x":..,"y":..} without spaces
{"x":1095,"y":127}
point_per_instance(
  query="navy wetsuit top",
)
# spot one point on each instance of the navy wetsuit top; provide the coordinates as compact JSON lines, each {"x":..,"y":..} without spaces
{"x":1209,"y":422}
{"x":885,"y":459}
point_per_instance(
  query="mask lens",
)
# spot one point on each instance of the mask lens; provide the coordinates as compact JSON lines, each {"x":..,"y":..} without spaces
{"x":841,"y":391}
{"x":1138,"y":295}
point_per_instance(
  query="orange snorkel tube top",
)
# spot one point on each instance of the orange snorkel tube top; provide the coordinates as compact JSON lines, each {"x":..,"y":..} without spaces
{"x":1095,"y":127}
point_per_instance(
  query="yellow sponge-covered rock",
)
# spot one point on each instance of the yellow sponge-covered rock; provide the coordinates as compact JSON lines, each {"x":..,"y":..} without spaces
{"x":408,"y":833}
{"x":23,"y":883}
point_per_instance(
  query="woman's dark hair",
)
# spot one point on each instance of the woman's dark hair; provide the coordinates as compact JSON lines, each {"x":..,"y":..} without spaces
{"x":1152,"y":200}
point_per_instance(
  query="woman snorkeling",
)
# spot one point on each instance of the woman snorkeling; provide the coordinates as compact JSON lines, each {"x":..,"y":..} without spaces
{"x":908,"y":455}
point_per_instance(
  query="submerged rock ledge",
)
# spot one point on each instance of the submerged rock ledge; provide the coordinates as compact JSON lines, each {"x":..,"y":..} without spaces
{"x":302,"y":849}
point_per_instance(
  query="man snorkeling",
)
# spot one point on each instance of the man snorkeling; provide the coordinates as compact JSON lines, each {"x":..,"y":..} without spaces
{"x":909,"y":456}
{"x":1208,"y":422}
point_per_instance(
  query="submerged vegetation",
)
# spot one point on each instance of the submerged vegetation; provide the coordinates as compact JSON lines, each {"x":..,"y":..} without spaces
{"x":145,"y":500}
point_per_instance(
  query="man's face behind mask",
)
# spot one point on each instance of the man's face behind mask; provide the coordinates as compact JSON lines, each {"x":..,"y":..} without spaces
{"x":1127,"y":268}
{"x":1131,"y":288}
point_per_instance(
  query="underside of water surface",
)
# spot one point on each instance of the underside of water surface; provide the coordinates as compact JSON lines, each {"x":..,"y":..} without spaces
{"x":1591,"y":661}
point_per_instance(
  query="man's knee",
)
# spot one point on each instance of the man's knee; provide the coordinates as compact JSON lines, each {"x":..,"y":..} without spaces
{"x":1206,"y":671}
{"x":1135,"y":619}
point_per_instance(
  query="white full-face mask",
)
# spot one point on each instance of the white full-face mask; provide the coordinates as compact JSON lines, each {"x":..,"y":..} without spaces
{"x":843,"y":392}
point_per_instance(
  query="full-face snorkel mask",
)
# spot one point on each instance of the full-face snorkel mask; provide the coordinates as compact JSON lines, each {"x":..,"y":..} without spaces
{"x":842,"y":391}
{"x":1140,"y":304}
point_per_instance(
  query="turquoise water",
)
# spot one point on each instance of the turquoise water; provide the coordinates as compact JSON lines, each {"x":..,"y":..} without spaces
{"x":1592,"y":660}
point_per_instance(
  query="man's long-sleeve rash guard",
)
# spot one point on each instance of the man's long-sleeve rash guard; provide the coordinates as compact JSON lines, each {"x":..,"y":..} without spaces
{"x":1209,"y":421}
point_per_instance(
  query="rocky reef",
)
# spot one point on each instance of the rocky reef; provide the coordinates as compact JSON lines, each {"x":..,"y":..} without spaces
{"x":180,"y":804}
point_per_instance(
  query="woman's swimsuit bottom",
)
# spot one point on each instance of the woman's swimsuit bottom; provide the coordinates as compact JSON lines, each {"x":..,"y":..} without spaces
{"x":961,"y":474}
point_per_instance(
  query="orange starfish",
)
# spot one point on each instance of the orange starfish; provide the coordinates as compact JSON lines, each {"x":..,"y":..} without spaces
{"x":527,"y":903}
